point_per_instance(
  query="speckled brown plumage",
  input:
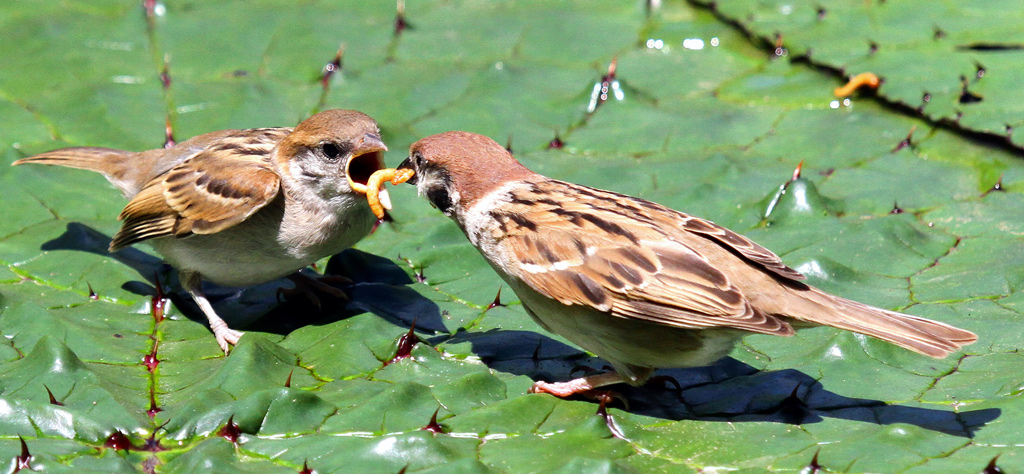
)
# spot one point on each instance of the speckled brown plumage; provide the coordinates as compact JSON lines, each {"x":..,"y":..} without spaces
{"x":639,"y":284}
{"x":240,"y":207}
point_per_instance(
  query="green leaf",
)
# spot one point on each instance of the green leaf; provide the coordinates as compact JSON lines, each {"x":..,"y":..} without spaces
{"x":951,"y":63}
{"x":901,"y":204}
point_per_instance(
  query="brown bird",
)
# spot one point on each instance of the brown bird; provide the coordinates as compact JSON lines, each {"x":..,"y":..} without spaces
{"x":634,"y":282}
{"x":242,"y":207}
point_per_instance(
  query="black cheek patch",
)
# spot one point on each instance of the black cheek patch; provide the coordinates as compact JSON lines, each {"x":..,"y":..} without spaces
{"x":438,"y":196}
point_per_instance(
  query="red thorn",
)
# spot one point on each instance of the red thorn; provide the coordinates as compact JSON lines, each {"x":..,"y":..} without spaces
{"x":152,"y":444}
{"x":230,"y":431}
{"x":92,"y":294}
{"x":433,"y":426}
{"x":159,"y":301}
{"x":906,"y":141}
{"x":998,"y":187}
{"x":405,"y":345}
{"x":150,"y":6}
{"x":992,"y":468}
{"x":169,"y":141}
{"x":165,"y":74}
{"x":306,"y":469}
{"x":497,"y":301}
{"x":901,"y":145}
{"x":333,"y":66}
{"x":780,"y":49}
{"x":118,"y":441}
{"x":896,"y":209}
{"x":150,"y":360}
{"x":24,"y":460}
{"x":288,"y":381}
{"x":607,"y":85}
{"x":401,"y":24}
{"x":604,"y":398}
{"x":814,"y":467}
{"x":53,"y":400}
{"x":556,"y":142}
{"x":153,"y":408}
{"x":796,"y":172}
{"x":508,"y":144}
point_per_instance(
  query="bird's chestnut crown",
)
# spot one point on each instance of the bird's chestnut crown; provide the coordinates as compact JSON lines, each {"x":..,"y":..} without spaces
{"x":455,"y":169}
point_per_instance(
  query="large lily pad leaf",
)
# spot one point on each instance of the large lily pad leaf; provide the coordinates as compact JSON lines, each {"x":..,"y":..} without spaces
{"x":426,"y":368}
{"x":955,"y":63}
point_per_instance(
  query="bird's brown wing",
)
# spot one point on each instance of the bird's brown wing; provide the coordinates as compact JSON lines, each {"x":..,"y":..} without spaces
{"x":618,"y":254}
{"x":668,"y":219}
{"x":744,"y":246}
{"x":205,"y":194}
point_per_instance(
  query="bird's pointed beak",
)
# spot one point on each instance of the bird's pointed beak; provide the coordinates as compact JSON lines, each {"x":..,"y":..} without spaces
{"x":407,"y":165}
{"x":371,"y":143}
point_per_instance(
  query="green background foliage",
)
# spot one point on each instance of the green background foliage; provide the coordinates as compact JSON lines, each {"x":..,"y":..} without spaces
{"x":713,"y":131}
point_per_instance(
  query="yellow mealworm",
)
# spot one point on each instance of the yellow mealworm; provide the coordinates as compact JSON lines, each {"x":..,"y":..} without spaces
{"x":863,"y":79}
{"x":374,"y":188}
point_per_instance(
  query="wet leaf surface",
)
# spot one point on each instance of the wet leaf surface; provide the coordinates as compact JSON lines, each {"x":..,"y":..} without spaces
{"x":950,"y":62}
{"x":707,"y":123}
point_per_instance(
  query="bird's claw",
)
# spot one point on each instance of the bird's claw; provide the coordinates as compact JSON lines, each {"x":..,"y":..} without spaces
{"x":227,"y":337}
{"x":561,"y":389}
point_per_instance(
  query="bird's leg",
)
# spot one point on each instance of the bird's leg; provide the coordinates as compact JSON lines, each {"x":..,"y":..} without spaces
{"x":580,"y":385}
{"x":226,"y":337}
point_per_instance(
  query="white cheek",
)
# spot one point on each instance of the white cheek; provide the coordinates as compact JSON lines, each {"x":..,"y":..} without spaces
{"x":477,"y":221}
{"x":425,"y":181}
{"x":456,"y":199}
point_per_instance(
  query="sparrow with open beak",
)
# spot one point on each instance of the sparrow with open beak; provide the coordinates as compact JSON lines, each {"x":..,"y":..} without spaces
{"x":242,"y":207}
{"x":636,"y":283}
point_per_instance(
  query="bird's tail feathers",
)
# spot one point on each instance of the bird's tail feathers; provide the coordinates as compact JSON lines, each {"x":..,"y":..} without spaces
{"x":109,"y":162}
{"x":83,"y":157}
{"x":920,"y":335}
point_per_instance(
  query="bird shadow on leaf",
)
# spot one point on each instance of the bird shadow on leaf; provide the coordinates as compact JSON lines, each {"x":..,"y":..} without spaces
{"x":727,"y":391}
{"x":378,"y":286}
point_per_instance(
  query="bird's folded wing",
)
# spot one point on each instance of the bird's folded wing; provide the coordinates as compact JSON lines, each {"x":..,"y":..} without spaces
{"x":203,"y":195}
{"x":581,"y":253}
{"x":741,"y":244}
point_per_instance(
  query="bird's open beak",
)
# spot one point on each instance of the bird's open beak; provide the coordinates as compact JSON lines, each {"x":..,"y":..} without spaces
{"x":367,"y":158}
{"x":407,"y":165}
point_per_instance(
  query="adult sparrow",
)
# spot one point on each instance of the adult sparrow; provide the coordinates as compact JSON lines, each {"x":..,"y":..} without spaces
{"x":634,"y":282}
{"x":242,"y":207}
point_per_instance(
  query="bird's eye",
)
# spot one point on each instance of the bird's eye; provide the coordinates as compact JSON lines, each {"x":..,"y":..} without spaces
{"x":330,"y":150}
{"x":417,"y":158}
